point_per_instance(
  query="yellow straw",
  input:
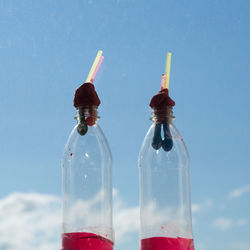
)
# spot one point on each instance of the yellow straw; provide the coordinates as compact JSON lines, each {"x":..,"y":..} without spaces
{"x":95,"y":63}
{"x":168,"y":64}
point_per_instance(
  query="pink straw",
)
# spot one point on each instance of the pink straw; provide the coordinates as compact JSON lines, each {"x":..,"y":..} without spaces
{"x":97,"y":68}
{"x":163,"y":81}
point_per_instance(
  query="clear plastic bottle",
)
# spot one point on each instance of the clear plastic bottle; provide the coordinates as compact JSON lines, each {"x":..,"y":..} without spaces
{"x":87,"y":186}
{"x":165,"y":210}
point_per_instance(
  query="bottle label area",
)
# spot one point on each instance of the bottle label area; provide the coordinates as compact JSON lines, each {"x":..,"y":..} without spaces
{"x":85,"y":241}
{"x":167,"y":243}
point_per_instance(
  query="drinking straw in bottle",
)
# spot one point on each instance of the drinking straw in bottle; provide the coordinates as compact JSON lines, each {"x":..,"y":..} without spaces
{"x":165,"y":210}
{"x":87,"y":176}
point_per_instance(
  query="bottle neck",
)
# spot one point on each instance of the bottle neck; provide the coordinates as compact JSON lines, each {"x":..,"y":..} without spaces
{"x":87,"y":115}
{"x":163,"y":115}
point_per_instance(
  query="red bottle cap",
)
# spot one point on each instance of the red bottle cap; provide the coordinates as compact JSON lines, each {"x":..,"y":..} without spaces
{"x":86,"y":95}
{"x":161,"y":100}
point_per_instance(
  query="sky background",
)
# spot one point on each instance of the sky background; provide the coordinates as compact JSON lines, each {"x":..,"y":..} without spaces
{"x":46,"y":51}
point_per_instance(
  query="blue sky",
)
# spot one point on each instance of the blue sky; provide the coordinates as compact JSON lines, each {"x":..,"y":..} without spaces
{"x":46,"y":50}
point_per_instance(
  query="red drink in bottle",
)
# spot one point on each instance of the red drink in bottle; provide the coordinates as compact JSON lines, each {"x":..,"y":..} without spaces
{"x":85,"y":241}
{"x":167,"y":243}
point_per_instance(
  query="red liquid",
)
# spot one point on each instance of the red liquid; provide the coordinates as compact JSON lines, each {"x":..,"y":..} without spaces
{"x":85,"y":241}
{"x":166,"y":243}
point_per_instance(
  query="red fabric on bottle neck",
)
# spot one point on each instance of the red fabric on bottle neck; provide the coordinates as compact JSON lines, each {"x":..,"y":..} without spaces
{"x":86,"y":95}
{"x":161,"y":100}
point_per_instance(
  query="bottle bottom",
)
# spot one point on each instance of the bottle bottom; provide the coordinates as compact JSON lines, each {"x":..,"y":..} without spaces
{"x":84,"y":240}
{"x":167,"y":243}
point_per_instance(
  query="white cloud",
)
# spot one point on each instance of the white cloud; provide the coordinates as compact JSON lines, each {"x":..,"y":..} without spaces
{"x":223,"y":223}
{"x":30,"y":221}
{"x":236,"y":193}
{"x":200,"y":245}
{"x":205,"y":205}
{"x":126,"y":220}
{"x":165,"y":221}
{"x":242,"y":222}
{"x":33,"y":221}
{"x":196,"y":208}
{"x":240,"y":246}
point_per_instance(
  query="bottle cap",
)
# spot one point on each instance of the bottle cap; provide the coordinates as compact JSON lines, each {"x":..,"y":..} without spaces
{"x":161,"y":99}
{"x":86,"y":95}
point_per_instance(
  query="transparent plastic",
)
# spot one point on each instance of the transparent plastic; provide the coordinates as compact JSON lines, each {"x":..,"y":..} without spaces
{"x":87,"y":191}
{"x":165,"y":210}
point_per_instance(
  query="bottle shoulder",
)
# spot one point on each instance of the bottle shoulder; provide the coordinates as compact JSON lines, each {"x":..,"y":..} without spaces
{"x":177,"y":157}
{"x":91,"y":147}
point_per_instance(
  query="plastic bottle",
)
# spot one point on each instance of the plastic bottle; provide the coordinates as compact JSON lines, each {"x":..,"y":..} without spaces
{"x":87,"y":181}
{"x":165,"y":210}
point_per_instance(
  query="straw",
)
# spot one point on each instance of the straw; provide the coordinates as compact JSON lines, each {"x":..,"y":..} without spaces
{"x":97,"y":68}
{"x":163,"y":81}
{"x":92,"y":70}
{"x":168,"y":64}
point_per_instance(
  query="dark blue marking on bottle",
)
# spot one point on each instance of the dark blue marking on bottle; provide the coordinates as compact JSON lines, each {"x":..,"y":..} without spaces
{"x":167,"y":142}
{"x":157,"y":140}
